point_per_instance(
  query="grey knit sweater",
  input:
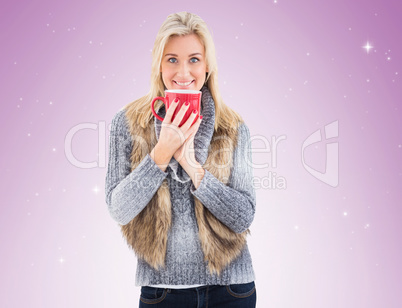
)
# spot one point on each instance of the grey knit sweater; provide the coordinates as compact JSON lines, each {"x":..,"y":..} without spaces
{"x":127,"y":193}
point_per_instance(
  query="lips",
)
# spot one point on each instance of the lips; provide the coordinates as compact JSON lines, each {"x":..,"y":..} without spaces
{"x":183,"y":83}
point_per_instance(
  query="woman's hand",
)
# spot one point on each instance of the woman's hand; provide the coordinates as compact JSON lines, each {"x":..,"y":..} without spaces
{"x":172,"y":138}
{"x":185,"y":154}
{"x":179,"y":142}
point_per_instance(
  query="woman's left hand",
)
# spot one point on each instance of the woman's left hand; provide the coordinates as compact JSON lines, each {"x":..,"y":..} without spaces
{"x":185,"y":155}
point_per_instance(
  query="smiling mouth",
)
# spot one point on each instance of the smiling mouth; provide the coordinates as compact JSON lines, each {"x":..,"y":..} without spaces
{"x":183,"y":84}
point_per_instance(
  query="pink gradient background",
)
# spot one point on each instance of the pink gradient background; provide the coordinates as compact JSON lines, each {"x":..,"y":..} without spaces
{"x":289,"y":68}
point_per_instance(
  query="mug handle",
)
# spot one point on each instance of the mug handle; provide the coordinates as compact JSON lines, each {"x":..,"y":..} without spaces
{"x":153,"y":108}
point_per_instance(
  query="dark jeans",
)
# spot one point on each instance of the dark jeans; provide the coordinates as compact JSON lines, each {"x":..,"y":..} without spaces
{"x":233,"y":296}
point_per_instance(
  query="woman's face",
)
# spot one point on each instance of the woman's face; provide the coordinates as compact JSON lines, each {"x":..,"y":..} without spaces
{"x":183,"y":63}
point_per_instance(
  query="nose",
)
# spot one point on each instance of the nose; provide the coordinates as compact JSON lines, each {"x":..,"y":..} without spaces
{"x":183,"y":70}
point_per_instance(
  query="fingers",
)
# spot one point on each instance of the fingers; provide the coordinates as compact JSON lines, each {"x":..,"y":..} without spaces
{"x":171,"y":130}
{"x":170,"y":111}
{"x":189,"y":122}
{"x":194,"y":128}
{"x":179,"y":116}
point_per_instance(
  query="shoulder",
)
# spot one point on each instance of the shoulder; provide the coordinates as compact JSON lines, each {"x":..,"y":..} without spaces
{"x":243,"y":132}
{"x":119,"y":124}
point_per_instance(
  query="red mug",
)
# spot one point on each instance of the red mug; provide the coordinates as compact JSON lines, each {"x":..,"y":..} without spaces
{"x":184,"y":96}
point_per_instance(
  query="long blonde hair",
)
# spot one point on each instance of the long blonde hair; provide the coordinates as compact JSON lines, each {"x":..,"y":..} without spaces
{"x":182,"y":23}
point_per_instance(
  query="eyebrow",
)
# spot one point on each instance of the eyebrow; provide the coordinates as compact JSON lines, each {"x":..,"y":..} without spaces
{"x":174,"y":55}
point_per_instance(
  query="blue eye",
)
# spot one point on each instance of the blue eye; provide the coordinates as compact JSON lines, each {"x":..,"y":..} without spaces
{"x":194,"y":60}
{"x":172,"y":60}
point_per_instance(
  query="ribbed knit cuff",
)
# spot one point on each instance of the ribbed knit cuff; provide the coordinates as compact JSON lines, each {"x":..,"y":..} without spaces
{"x":205,"y":186}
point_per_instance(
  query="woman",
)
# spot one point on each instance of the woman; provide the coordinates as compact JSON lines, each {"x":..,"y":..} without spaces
{"x":184,"y":196}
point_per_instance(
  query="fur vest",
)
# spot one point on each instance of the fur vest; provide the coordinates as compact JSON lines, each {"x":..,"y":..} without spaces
{"x":147,"y":233}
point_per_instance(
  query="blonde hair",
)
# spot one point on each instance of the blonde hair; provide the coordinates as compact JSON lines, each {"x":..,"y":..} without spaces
{"x":181,"y":24}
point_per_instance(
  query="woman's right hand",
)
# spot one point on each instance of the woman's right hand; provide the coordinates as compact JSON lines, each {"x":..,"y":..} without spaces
{"x":172,"y":137}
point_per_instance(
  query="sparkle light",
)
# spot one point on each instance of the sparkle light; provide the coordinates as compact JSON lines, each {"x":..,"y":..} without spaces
{"x":368,"y":47}
{"x":96,"y":189}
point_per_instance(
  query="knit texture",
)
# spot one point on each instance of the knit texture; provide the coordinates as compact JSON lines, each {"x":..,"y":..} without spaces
{"x":127,"y":193}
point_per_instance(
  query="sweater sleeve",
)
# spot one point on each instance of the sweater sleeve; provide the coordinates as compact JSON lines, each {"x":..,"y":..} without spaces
{"x":128,"y":192}
{"x":233,"y":204}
